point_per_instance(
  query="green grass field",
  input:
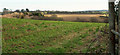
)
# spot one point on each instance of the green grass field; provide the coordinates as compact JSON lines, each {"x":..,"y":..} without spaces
{"x":38,"y":36}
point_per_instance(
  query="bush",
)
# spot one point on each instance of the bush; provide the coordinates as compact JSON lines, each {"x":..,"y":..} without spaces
{"x":37,"y":14}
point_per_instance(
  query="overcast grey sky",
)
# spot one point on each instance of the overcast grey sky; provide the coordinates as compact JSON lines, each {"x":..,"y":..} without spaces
{"x":64,"y":5}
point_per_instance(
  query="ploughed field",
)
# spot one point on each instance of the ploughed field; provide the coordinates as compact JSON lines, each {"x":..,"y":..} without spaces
{"x":38,"y":36}
{"x":75,"y":17}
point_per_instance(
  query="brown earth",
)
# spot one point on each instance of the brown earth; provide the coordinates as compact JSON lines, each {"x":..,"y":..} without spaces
{"x":65,"y":17}
{"x":77,"y":17}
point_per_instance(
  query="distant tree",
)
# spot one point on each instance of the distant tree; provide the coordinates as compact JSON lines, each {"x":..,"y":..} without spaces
{"x":105,"y":13}
{"x":22,"y":10}
{"x":37,"y":10}
{"x":27,"y":9}
{"x":17,"y":10}
{"x":6,"y":11}
{"x":45,"y":12}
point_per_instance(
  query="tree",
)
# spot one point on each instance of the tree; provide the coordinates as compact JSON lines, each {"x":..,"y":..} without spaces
{"x":17,"y":10}
{"x":6,"y":11}
{"x":105,"y":13}
{"x":22,"y":10}
{"x":27,"y":9}
{"x":37,"y":10}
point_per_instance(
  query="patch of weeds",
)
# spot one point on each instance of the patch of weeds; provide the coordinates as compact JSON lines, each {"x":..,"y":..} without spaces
{"x":94,"y":36}
{"x":68,"y":45}
{"x":80,"y":38}
{"x":90,"y":29}
{"x":94,"y":32}
{"x":42,"y":23}
{"x":56,"y":50}
{"x":22,"y":51}
{"x":80,"y":43}
{"x":36,"y":24}
{"x":66,"y":32}
{"x":45,"y":26}
{"x":83,"y":36}
{"x":84,"y":51}
{"x":53,"y":25}
{"x":93,"y":49}
{"x":97,"y":29}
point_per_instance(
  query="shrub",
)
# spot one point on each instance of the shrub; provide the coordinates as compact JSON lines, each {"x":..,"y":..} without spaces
{"x":37,"y":14}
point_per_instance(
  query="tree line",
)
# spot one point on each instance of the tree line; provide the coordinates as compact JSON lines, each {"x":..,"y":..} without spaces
{"x":6,"y":11}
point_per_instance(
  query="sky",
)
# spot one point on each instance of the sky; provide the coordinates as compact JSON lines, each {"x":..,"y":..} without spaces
{"x":60,"y":5}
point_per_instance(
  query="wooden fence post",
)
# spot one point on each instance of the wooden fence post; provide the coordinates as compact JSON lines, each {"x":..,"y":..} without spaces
{"x":119,"y":24}
{"x":111,"y":27}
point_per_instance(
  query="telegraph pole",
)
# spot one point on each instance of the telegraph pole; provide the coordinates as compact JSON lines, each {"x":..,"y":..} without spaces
{"x":111,"y":27}
{"x":119,"y":25}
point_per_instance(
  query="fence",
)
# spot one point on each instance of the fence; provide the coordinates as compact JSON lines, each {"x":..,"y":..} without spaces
{"x":114,"y":27}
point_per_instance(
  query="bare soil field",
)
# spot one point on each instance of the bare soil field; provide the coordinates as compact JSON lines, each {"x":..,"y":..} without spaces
{"x":64,"y":17}
{"x":76,"y":17}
